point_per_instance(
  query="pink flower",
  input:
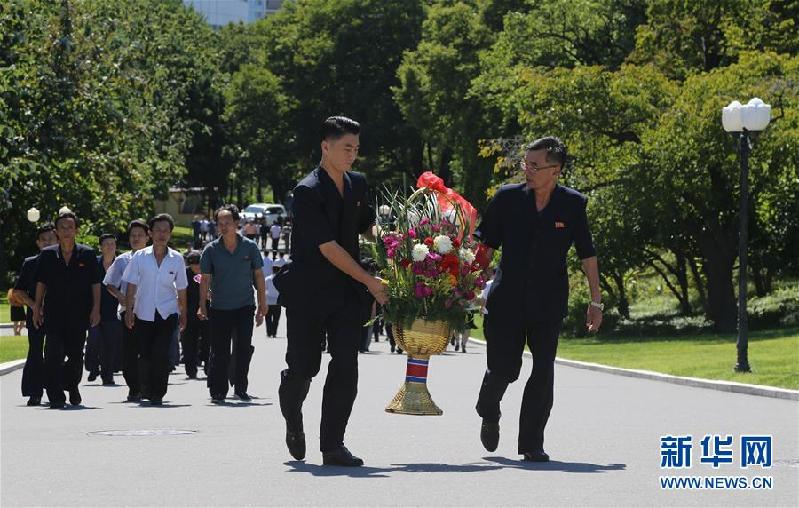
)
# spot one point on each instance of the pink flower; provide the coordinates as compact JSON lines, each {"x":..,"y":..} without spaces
{"x":422,"y":291}
{"x":424,"y":221}
{"x":412,"y":233}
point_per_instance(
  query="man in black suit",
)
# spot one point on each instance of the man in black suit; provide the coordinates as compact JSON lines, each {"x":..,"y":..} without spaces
{"x":67,"y":304}
{"x":323,"y":288}
{"x":25,"y":291}
{"x":528,"y":298}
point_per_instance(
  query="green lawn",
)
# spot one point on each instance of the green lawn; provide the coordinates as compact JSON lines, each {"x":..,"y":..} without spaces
{"x":5,"y":313}
{"x":773,"y":355}
{"x":182,"y":237}
{"x":13,"y":348}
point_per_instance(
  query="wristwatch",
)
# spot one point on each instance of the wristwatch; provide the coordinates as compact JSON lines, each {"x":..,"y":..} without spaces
{"x":598,"y":305}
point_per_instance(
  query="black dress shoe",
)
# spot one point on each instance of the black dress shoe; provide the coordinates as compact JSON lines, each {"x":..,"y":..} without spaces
{"x":34,"y":401}
{"x":57,"y":405}
{"x":243,"y":396}
{"x":133,"y":396}
{"x":109,"y":382}
{"x":74,"y":397}
{"x":489,"y":435}
{"x":156,"y":402}
{"x":341,"y":457}
{"x":92,"y":376}
{"x":295,"y":441}
{"x":539,"y":456}
{"x":215,"y":399}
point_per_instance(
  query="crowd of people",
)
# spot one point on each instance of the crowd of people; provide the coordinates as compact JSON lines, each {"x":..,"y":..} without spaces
{"x":266,"y":235}
{"x":146,"y":310}
{"x":154,"y":297}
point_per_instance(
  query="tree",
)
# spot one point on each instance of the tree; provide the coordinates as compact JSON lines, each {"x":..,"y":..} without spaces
{"x":257,"y":111}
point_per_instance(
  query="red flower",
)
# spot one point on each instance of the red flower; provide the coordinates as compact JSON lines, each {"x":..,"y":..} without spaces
{"x":449,"y":263}
{"x":405,"y":263}
{"x":428,"y":241}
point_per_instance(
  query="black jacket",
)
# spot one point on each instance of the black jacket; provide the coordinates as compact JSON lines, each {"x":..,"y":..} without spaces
{"x":322,"y":215}
{"x":532,"y":282}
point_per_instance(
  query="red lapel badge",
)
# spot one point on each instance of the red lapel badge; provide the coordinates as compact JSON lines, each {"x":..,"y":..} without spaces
{"x":559,"y":225}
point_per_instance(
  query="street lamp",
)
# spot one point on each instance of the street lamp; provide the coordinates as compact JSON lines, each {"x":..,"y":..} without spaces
{"x":742,"y":120}
{"x":34,"y":215}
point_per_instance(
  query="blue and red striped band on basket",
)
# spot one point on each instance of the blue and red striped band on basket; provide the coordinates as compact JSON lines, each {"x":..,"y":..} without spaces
{"x":416,"y":371}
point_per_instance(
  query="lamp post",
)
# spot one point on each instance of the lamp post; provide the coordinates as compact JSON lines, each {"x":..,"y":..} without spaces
{"x":742,"y":120}
{"x":34,"y":215}
{"x":385,"y":213}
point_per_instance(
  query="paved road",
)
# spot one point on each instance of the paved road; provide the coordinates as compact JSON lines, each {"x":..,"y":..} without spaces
{"x":604,"y":438}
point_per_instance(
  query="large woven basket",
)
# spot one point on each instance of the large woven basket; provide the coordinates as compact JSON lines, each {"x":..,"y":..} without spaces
{"x":423,"y":338}
{"x":420,"y":340}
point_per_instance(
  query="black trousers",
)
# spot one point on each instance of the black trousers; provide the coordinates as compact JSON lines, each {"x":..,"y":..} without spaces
{"x":102,"y":348}
{"x":33,"y":371}
{"x":342,"y":321}
{"x":190,"y":341}
{"x":154,"y":339}
{"x":505,"y":346}
{"x":63,"y":375}
{"x":273,"y":319}
{"x":275,"y":242}
{"x":130,"y":358}
{"x":227,"y":326}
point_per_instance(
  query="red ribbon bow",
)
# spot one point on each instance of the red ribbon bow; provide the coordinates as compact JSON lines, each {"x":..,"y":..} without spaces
{"x":446,"y":197}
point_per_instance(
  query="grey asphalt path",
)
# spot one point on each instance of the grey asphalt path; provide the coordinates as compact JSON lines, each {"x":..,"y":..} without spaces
{"x":604,"y":439}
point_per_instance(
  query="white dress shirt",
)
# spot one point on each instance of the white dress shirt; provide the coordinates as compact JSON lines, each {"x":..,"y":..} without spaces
{"x":113,"y":277}
{"x":157,"y":286}
{"x":271,"y":291}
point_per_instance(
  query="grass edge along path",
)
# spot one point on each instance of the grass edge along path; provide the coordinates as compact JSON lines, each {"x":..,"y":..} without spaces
{"x":773,"y":355}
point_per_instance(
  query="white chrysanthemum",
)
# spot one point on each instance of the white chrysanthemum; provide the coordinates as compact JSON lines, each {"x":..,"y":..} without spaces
{"x":420,"y":251}
{"x":467,"y":256}
{"x":442,"y":243}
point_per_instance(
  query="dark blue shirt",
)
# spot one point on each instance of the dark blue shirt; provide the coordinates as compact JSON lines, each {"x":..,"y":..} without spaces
{"x":321,"y":215}
{"x":26,"y":281}
{"x":532,"y":281}
{"x":68,"y":300}
{"x":108,"y":302}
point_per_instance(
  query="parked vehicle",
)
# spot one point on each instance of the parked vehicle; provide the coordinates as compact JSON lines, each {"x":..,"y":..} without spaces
{"x":270,"y":211}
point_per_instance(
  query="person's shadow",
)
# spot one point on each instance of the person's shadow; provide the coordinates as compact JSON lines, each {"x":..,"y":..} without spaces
{"x":554,"y":465}
{"x":383,"y":472}
{"x":498,"y":463}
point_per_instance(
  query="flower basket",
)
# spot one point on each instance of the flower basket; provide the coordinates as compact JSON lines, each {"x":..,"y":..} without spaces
{"x":427,"y":258}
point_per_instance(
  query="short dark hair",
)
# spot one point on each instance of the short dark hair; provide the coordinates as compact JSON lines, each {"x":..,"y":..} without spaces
{"x":162,"y":217}
{"x":556,"y":149}
{"x":337,"y":126}
{"x":44,"y":228}
{"x":67,"y":215}
{"x":233,"y":209}
{"x":192,"y":257}
{"x":106,"y":236}
{"x":138,"y":223}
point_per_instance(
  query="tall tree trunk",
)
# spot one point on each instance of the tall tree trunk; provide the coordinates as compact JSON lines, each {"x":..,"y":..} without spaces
{"x":623,"y":302}
{"x":259,"y":191}
{"x":721,"y":304}
{"x":443,"y":166}
{"x":698,"y":282}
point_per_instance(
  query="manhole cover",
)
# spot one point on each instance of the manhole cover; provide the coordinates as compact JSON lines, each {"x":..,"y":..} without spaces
{"x":155,"y":432}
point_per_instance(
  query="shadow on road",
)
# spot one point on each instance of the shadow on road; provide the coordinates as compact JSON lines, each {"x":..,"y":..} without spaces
{"x":239,"y":404}
{"x":383,"y":472}
{"x":165,"y":405}
{"x":554,"y":465}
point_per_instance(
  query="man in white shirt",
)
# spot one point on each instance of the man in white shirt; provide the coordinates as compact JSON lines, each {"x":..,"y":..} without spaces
{"x":138,"y":232}
{"x":273,"y":314}
{"x":155,"y":300}
{"x":274,"y":232}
